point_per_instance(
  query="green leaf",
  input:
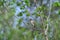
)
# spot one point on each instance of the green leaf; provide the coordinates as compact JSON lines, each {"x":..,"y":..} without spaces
{"x":22,"y":7}
{"x":56,"y":4}
{"x":59,"y":4}
{"x":37,"y":14}
{"x":38,"y":8}
{"x":20,"y":20}
{"x":26,"y":11}
{"x":19,"y":3}
{"x":20,"y":14}
{"x":28,"y":14}
{"x":59,"y":12}
{"x":14,"y":0}
{"x":1,"y":3}
{"x":27,"y":3}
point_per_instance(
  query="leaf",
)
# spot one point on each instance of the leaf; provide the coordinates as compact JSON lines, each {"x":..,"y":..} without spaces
{"x":1,"y":3}
{"x":19,"y":3}
{"x":20,"y":14}
{"x":59,"y":12}
{"x":28,"y":14}
{"x":14,"y":0}
{"x":20,"y":20}
{"x":27,"y":3}
{"x":26,"y":11}
{"x":59,"y":4}
{"x":22,"y":7}
{"x":56,"y":4}
{"x":38,"y":8}
{"x":37,"y":14}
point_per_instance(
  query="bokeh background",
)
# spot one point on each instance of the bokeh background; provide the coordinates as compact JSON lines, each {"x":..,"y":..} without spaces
{"x":15,"y":18}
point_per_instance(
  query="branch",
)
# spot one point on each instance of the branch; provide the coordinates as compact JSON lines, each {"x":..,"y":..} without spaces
{"x":46,"y":30}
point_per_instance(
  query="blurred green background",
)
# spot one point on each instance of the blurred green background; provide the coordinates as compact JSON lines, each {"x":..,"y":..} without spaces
{"x":15,"y":18}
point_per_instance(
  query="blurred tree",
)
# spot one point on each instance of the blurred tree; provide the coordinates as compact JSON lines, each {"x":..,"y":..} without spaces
{"x":45,"y":13}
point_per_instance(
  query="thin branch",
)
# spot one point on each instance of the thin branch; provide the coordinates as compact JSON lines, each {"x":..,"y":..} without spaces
{"x":46,"y":30}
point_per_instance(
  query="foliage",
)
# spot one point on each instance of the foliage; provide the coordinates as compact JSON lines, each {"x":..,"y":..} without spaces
{"x":43,"y":15}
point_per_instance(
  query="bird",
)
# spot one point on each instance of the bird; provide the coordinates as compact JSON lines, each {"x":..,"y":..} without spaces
{"x":32,"y":22}
{"x":33,"y":28}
